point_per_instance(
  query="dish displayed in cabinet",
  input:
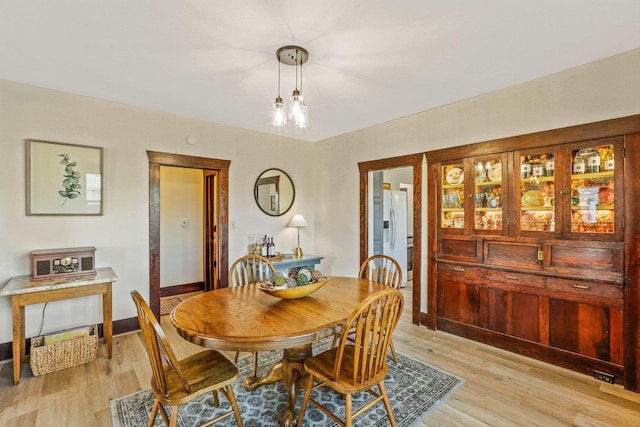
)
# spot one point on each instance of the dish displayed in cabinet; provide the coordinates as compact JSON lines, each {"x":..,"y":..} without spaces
{"x":481,"y":174}
{"x":455,"y":176}
{"x":495,"y":172}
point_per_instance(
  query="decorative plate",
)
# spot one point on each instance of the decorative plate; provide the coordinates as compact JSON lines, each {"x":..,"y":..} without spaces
{"x":455,"y":176}
{"x":532,"y":199}
{"x":481,"y":174}
{"x":495,"y":172}
{"x":295,"y":292}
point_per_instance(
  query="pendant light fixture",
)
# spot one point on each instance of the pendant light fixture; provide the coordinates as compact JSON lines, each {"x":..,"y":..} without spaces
{"x":297,"y":110}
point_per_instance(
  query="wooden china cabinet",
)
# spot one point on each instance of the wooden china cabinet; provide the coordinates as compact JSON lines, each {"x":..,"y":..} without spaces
{"x":533,"y":246}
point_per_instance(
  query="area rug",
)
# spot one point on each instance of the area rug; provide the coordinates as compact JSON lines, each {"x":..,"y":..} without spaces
{"x":414,"y":389}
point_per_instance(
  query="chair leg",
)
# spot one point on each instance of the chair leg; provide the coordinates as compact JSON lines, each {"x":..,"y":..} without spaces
{"x":393,"y":351}
{"x":387,"y":404}
{"x":235,"y":357}
{"x":348,"y":410}
{"x":234,"y":405}
{"x":216,"y":400}
{"x":154,"y":413}
{"x":255,"y":364}
{"x":305,"y":400}
{"x":174,"y":416}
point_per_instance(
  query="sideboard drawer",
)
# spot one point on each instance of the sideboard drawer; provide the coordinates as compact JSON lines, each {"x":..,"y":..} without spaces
{"x":516,"y":279}
{"x":461,"y":272}
{"x":591,"y":291}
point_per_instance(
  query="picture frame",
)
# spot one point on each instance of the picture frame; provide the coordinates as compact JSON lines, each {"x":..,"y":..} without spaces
{"x":64,"y":179}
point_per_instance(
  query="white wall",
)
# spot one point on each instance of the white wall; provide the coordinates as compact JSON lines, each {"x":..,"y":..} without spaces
{"x":121,"y":235}
{"x":181,"y":226}
{"x":601,"y":90}
{"x":325,"y":173}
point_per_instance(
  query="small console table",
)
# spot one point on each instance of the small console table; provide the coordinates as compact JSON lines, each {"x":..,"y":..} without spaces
{"x":23,"y":291}
{"x":283,"y":266}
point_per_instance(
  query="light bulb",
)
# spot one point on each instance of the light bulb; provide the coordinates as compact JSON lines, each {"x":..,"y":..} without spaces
{"x":278,"y":113}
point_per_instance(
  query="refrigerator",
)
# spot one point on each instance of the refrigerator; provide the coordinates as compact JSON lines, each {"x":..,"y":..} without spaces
{"x":394,"y":235}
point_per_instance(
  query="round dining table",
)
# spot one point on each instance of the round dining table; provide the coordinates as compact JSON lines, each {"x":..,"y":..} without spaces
{"x":244,"y":318}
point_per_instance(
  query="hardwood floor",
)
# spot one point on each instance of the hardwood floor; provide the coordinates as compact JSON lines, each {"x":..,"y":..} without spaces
{"x":501,"y":388}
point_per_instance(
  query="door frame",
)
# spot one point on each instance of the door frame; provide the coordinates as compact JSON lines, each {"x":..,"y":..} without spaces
{"x":157,"y":159}
{"x":415,"y":161}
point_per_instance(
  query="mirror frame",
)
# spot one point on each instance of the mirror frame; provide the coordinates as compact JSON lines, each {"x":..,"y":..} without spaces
{"x":262,"y":180}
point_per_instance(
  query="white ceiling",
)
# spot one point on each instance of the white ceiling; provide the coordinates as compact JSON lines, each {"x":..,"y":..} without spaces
{"x":370,"y":61}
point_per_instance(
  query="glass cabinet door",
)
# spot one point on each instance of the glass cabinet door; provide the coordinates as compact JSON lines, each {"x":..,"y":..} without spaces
{"x":536,"y":208}
{"x":594,"y":174}
{"x":452,"y":196}
{"x":489,"y":197}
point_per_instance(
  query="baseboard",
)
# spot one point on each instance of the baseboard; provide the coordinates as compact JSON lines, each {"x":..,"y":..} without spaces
{"x":119,"y":327}
{"x":181,"y":289}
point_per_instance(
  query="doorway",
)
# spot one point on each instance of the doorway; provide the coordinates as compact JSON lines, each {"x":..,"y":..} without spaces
{"x":216,"y":229}
{"x":414,"y":161}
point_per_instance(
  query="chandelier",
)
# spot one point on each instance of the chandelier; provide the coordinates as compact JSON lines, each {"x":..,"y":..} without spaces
{"x":296,"y":111}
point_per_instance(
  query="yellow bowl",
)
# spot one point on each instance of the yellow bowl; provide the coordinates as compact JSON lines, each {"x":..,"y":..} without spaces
{"x":297,"y":292}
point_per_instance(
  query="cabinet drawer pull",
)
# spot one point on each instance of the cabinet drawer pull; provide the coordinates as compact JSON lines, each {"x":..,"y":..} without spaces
{"x":511,"y":277}
{"x":460,"y":269}
{"x":580,"y":286}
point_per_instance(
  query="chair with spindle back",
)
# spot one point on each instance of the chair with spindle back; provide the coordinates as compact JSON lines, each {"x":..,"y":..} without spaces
{"x":359,"y":362}
{"x":386,"y":270}
{"x":174,"y":381}
{"x":246,"y":270}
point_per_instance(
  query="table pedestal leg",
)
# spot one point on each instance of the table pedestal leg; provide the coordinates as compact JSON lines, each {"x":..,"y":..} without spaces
{"x":294,"y":378}
{"x":275,"y":374}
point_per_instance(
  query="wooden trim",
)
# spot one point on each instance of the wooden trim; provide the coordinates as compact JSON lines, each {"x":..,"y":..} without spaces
{"x":632,"y":262}
{"x":169,"y":291}
{"x":595,"y":130}
{"x":154,"y":238}
{"x":156,"y":160}
{"x":415,"y":161}
{"x":432,"y":245}
{"x":182,"y":161}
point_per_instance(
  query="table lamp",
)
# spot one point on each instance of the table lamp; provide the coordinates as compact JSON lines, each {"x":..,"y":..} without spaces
{"x":298,"y":222}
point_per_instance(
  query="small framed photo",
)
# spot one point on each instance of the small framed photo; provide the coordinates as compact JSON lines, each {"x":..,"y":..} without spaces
{"x":63,"y":179}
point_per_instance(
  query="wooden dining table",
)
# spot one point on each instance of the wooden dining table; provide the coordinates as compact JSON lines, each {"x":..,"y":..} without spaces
{"x":245,"y":318}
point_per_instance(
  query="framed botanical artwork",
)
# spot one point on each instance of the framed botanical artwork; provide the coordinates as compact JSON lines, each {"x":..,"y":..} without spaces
{"x":63,"y":179}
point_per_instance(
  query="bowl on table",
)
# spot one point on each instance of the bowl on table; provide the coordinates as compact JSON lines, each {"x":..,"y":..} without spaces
{"x":294,"y":292}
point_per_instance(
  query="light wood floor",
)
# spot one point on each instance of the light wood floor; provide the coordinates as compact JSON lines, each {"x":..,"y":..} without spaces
{"x":501,"y":389}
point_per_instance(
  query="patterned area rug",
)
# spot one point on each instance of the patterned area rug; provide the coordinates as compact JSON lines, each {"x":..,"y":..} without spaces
{"x":414,"y":388}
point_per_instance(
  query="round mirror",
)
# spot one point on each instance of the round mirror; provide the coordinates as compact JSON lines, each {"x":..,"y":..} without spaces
{"x":274,"y":192}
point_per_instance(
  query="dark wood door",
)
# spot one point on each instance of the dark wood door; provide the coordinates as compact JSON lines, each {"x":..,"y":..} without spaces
{"x":210,"y":230}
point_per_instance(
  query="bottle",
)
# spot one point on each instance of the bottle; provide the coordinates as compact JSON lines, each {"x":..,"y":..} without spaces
{"x":272,"y":248}
{"x":264,"y":248}
{"x":525,"y":169}
{"x":579,"y":166}
{"x":550,"y":166}
{"x":592,"y":160}
{"x":607,"y":160}
{"x":538,"y":169}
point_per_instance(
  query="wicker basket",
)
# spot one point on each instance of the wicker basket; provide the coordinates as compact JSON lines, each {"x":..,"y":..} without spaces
{"x":45,"y":359}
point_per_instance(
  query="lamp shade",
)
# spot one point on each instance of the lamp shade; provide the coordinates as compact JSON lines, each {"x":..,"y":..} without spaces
{"x":297,"y":221}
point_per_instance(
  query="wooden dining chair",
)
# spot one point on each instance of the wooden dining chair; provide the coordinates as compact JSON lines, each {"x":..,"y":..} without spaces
{"x":246,"y":270}
{"x":358,"y":366}
{"x":174,"y":381}
{"x":382,"y":269}
{"x":386,"y":270}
